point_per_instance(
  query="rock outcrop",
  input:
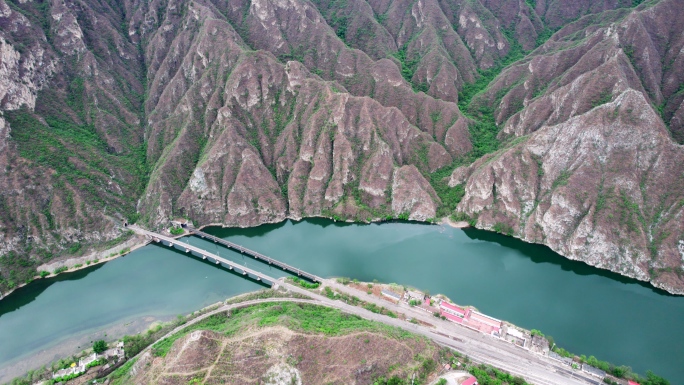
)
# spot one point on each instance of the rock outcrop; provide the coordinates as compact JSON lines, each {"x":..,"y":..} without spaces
{"x":591,"y":170}
{"x":594,"y":188}
{"x":246,"y":112}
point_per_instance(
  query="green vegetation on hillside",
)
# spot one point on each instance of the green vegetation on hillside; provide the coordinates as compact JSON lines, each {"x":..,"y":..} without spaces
{"x":483,"y":129}
{"x":297,"y":316}
{"x":614,"y":370}
{"x":408,"y":69}
{"x":80,"y":158}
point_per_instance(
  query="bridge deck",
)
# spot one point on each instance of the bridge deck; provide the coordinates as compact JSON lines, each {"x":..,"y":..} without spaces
{"x":205,"y":254}
{"x":256,"y":255}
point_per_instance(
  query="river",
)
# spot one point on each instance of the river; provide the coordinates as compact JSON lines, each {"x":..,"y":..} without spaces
{"x":587,"y":310}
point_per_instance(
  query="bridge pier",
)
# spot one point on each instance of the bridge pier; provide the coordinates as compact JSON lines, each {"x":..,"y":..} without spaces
{"x":206,"y":255}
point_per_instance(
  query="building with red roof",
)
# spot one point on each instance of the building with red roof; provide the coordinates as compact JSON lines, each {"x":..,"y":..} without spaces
{"x":448,"y":308}
{"x":470,"y":381}
{"x":484,"y":323}
{"x":452,"y":317}
{"x":633,"y":383}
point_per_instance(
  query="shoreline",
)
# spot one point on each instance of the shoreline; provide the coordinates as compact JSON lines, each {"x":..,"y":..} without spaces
{"x":77,"y":343}
{"x":456,"y":225}
{"x":445,"y":221}
{"x":101,"y":257}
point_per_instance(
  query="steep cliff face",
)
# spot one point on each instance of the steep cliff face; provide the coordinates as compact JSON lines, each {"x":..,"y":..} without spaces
{"x":246,"y":112}
{"x":245,"y":138}
{"x":69,"y":132}
{"x":592,"y":169}
{"x":595,"y":188}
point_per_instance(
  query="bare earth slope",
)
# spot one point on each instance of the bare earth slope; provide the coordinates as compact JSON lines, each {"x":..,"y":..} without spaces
{"x":246,"y":112}
{"x":276,"y":355}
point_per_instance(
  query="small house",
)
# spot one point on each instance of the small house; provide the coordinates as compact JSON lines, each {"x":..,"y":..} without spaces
{"x":593,"y":371}
{"x":415,"y":295}
{"x":391,"y":294}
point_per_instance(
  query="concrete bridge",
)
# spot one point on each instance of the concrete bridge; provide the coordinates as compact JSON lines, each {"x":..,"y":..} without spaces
{"x":233,"y":246}
{"x":188,"y":248}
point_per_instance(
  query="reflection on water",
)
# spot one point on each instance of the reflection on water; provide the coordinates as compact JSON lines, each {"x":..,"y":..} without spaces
{"x":542,"y":254}
{"x":588,"y":311}
{"x":27,"y":294}
{"x":150,"y":282}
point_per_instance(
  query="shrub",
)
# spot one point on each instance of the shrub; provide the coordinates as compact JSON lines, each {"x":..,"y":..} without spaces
{"x":99,"y":362}
{"x":305,"y":284}
{"x":99,"y":346}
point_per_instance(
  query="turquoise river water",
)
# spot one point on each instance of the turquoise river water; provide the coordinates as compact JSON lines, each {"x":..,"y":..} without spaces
{"x":586,"y":310}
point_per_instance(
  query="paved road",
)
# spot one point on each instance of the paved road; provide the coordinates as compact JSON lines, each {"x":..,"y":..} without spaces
{"x":484,"y":348}
{"x":536,"y":369}
{"x":532,"y":368}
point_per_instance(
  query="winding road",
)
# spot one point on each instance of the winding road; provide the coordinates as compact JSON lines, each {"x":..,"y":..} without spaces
{"x":481,"y":348}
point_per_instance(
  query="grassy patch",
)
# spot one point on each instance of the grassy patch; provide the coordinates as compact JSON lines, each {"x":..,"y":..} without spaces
{"x":298,"y":317}
{"x":120,"y":376}
{"x":304,"y":283}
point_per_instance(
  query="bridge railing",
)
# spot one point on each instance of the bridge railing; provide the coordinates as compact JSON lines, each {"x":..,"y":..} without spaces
{"x":204,"y":254}
{"x":254,"y":254}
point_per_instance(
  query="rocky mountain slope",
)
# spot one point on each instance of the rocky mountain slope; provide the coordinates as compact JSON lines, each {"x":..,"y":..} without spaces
{"x":557,"y":122}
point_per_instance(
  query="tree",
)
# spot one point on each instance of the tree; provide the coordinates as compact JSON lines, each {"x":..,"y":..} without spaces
{"x":441,"y":381}
{"x":653,"y":379}
{"x":99,"y":346}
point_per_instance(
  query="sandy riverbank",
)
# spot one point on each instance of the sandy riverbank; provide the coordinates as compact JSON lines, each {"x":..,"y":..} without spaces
{"x":456,"y":224}
{"x":73,"y":345}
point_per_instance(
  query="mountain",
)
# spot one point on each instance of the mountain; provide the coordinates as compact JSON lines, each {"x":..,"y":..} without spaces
{"x":556,"y":122}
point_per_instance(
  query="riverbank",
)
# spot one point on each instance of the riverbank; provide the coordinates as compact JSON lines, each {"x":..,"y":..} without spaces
{"x":74,"y":264}
{"x":476,"y":267}
{"x":143,"y":348}
{"x":371,"y":301}
{"x":409,"y":304}
{"x":455,"y":224}
{"x":155,"y":327}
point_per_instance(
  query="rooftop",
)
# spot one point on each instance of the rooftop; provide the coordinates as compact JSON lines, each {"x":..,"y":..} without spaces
{"x":476,"y":316}
{"x":391,"y":294}
{"x":515,"y":333}
{"x":470,"y":381}
{"x":451,"y":307}
{"x":452,"y":317}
